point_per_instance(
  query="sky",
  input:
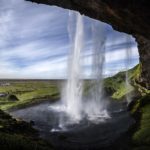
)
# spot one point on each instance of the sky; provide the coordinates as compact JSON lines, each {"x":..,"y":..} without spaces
{"x":34,"y":42}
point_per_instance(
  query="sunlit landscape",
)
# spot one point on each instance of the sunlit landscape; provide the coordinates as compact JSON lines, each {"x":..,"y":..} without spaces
{"x":69,"y":81}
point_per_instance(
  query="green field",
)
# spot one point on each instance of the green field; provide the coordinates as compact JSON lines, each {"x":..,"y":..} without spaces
{"x":27,"y":92}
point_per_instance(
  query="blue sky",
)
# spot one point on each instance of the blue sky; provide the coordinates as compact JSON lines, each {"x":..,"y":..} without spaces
{"x":34,"y":42}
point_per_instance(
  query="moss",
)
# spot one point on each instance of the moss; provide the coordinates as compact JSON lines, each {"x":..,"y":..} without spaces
{"x":12,"y":98}
{"x":141,"y":137}
{"x":135,"y":107}
{"x":145,"y":100}
{"x":116,"y":86}
{"x":17,"y":134}
{"x":17,"y":142}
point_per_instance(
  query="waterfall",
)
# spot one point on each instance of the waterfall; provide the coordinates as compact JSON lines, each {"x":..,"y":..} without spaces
{"x":96,"y":106}
{"x":127,"y":64}
{"x":73,"y":96}
{"x":73,"y":102}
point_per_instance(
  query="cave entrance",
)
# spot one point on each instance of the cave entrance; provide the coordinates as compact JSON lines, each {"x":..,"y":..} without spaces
{"x":35,"y":45}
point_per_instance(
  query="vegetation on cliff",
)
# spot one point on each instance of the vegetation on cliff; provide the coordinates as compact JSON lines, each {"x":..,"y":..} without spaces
{"x":116,"y":87}
{"x":141,"y":138}
{"x":139,"y":107}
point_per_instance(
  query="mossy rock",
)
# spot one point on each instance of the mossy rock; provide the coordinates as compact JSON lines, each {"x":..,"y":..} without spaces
{"x":142,"y":136}
{"x":12,"y":98}
{"x":145,"y":100}
{"x":19,"y":135}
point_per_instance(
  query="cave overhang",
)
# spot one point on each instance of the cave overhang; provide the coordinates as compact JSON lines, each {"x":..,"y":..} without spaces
{"x":129,"y":16}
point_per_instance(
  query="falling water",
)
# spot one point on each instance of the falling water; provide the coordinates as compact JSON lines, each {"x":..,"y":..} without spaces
{"x":73,"y":96}
{"x":127,"y":64}
{"x":74,"y":103}
{"x":96,"y":107}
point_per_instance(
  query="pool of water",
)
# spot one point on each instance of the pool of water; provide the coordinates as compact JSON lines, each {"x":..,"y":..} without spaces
{"x":85,"y":135}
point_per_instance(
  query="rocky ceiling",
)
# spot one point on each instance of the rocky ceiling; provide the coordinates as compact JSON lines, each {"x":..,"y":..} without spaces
{"x":129,"y":16}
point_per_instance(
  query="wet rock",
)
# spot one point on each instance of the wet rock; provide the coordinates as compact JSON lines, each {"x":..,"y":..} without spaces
{"x":32,"y":123}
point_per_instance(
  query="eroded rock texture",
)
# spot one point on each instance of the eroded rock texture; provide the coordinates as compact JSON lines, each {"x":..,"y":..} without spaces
{"x":144,"y":51}
{"x":130,"y":16}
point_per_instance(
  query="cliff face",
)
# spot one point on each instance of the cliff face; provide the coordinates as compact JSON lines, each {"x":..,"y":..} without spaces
{"x":130,"y":16}
{"x":144,"y":52}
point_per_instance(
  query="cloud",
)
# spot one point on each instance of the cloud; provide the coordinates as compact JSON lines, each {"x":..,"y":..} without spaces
{"x":34,"y":42}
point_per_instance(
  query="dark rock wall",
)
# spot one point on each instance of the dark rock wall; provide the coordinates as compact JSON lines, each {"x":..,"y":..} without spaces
{"x":130,"y":16}
{"x":144,"y":51}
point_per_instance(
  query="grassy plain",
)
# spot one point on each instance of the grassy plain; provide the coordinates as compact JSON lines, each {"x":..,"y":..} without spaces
{"x":27,"y":92}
